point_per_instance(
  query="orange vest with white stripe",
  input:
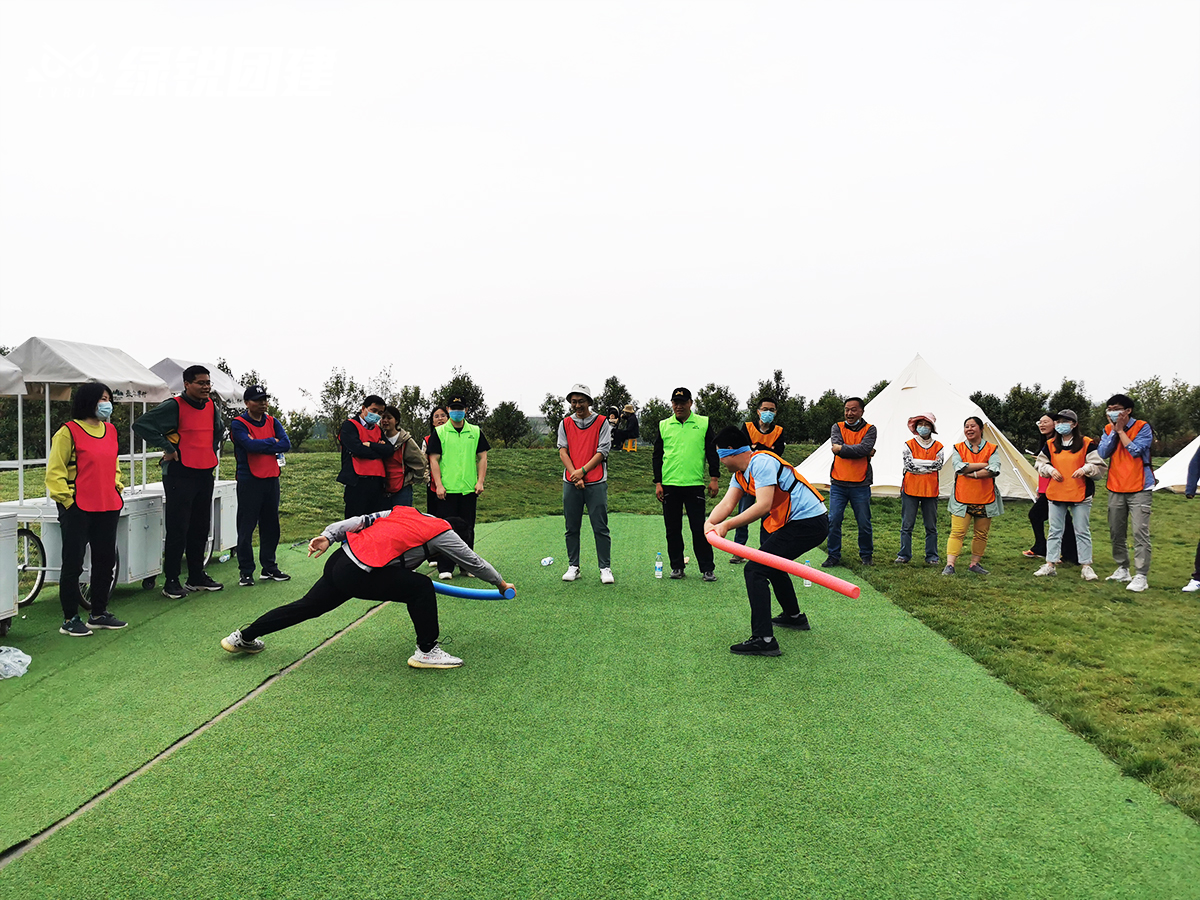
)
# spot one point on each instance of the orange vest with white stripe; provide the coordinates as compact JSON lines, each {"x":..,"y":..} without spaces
{"x":851,"y":469}
{"x":1070,"y":489}
{"x":973,"y":491}
{"x":763,"y":440}
{"x":781,"y":502}
{"x":389,"y":538}
{"x":924,"y":484}
{"x":196,"y":431}
{"x":95,"y":469}
{"x":1126,"y":475}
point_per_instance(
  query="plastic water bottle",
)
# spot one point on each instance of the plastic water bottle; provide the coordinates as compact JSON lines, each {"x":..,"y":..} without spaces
{"x":658,"y":566}
{"x":224,"y":557}
{"x":549,"y":560}
{"x":807,"y":583}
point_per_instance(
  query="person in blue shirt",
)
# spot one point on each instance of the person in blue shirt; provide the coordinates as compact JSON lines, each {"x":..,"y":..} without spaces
{"x":1126,"y":445}
{"x":794,"y":521}
{"x":259,"y":443}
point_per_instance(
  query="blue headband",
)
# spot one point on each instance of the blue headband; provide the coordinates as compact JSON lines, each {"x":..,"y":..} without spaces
{"x":725,"y":454}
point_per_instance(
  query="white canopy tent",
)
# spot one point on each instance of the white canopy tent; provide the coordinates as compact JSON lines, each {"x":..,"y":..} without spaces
{"x":12,"y":382}
{"x":1172,"y":475}
{"x":918,"y":389}
{"x":224,"y":387}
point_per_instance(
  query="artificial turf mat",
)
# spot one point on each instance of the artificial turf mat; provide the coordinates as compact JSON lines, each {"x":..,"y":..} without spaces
{"x":601,"y":741}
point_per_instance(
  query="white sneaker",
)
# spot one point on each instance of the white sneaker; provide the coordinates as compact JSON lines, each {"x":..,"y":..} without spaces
{"x":1121,"y":575}
{"x":437,"y":658}
{"x":1046,"y":569}
{"x":446,"y":576}
{"x":1087,"y":573}
{"x":1138,"y":584}
{"x":571,"y":574}
{"x":235,"y":643}
{"x":606,"y":577}
{"x":1191,"y":587}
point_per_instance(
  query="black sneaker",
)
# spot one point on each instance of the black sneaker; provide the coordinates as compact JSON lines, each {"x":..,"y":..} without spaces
{"x":799,"y":622}
{"x":831,"y":563}
{"x":74,"y":628}
{"x":246,"y":581}
{"x":274,"y":575}
{"x":174,"y":590}
{"x":204,"y":583}
{"x":757,"y":646}
{"x":105,"y":620}
{"x":708,"y":576}
{"x":677,"y":573}
{"x":736,"y":561}
{"x":867,"y":561}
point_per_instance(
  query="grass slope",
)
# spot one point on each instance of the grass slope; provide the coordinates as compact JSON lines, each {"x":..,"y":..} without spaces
{"x":601,"y":741}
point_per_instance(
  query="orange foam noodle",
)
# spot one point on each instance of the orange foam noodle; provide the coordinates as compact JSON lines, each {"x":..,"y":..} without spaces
{"x":816,"y":576}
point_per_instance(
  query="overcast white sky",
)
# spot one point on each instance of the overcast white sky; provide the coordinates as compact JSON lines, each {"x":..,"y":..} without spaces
{"x":551,"y":192}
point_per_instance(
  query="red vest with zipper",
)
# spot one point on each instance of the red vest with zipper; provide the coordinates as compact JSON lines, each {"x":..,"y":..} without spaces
{"x":973,"y":491}
{"x":95,"y":469}
{"x":926,"y":483}
{"x":1126,"y":475}
{"x":851,"y":469}
{"x":387,"y":539}
{"x":368,"y":435}
{"x":196,"y":431}
{"x":582,"y":444}
{"x":262,"y":465}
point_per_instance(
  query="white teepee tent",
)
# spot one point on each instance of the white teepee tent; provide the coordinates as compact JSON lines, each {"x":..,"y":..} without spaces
{"x":918,"y":389}
{"x":1172,"y":475}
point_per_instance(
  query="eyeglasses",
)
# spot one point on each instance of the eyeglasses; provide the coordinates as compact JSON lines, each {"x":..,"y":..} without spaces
{"x":202,"y":383}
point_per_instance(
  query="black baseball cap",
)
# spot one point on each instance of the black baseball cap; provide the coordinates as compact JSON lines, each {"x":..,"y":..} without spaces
{"x":255,"y":392}
{"x":457,"y":403}
{"x":681,"y":393}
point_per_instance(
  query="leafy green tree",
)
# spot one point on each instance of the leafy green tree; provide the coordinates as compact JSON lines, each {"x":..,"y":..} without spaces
{"x":507,"y":423}
{"x":1022,"y":408}
{"x":614,"y":393}
{"x":789,"y":411}
{"x":720,"y":405}
{"x":462,"y":385}
{"x":1164,"y":406}
{"x":992,"y":406}
{"x":652,"y":413}
{"x":829,"y":409}
{"x":341,"y":397}
{"x":554,"y":409}
{"x":875,"y":390}
{"x":414,"y":408}
{"x":298,"y":425}
{"x":1070,"y":395}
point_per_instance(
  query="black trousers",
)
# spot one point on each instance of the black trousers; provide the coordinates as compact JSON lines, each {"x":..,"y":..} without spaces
{"x":793,"y":539}
{"x":1039,"y":515}
{"x":462,"y":506}
{"x":675,"y":501}
{"x":81,"y":530}
{"x":187,"y":517}
{"x":342,"y":580}
{"x":258,"y":505}
{"x":367,"y":496}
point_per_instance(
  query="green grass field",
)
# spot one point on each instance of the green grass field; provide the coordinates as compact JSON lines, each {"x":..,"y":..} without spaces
{"x":603,"y":740}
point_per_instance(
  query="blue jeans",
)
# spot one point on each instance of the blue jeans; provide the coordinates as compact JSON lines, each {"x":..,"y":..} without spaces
{"x":1079,"y":514}
{"x":908,"y":518}
{"x":859,"y":498}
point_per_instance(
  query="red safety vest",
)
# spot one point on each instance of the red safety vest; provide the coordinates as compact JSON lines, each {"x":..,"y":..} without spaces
{"x":850,"y":469}
{"x":196,"y":432}
{"x":1126,"y":475}
{"x":581,"y":446}
{"x":367,"y":434}
{"x":95,"y":469}
{"x":262,"y":465}
{"x":781,"y":501}
{"x":764,"y":440}
{"x":387,"y":539}
{"x":926,"y":483}
{"x":972,"y":491}
{"x":1069,"y":490}
{"x":394,"y":469}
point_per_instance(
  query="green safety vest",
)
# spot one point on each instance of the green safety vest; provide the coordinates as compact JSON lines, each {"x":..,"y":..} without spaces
{"x":459,"y":472}
{"x":683,"y":450}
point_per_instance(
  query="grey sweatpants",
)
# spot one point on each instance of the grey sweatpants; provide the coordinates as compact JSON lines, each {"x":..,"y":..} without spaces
{"x":1121,"y":508}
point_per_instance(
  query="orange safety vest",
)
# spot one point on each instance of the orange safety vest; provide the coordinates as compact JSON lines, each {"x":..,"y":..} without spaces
{"x":388,"y":539}
{"x":973,"y":491}
{"x":781,"y":502}
{"x":196,"y":431}
{"x":262,"y":465}
{"x":1126,"y":475}
{"x":370,"y":435}
{"x":926,"y":483}
{"x":1069,"y":490}
{"x":764,"y":440}
{"x":95,"y":469}
{"x":582,"y":444}
{"x":850,"y":469}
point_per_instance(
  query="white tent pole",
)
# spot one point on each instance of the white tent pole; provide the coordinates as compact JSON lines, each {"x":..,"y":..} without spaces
{"x":47,"y":386}
{"x":20,"y":450}
{"x":143,"y":449}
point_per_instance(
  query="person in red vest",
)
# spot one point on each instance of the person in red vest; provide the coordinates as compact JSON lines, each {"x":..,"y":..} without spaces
{"x":1072,"y":464}
{"x":584,"y":442}
{"x":764,"y":434}
{"x":83,"y":478}
{"x":364,"y":449}
{"x":1126,"y":445}
{"x":850,"y":477}
{"x":189,"y":429}
{"x":259,"y":443}
{"x":922,"y":458}
{"x":406,"y":466}
{"x":380,"y":552}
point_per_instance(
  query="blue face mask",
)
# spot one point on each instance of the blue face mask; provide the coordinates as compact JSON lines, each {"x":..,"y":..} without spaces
{"x":766,"y":417}
{"x":1114,"y":414}
{"x":924,"y":431}
{"x":457,"y":415}
{"x":104,"y":410}
{"x":1063,"y":427}
{"x":372,"y":418}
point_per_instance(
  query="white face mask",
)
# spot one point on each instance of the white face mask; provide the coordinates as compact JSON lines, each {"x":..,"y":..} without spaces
{"x":1114,"y":414}
{"x":1063,"y":427}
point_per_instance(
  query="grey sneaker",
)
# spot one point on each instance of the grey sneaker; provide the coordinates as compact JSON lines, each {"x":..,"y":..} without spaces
{"x":437,"y":658}
{"x":235,"y":643}
{"x":708,"y":576}
{"x":978,"y":569}
{"x":105,"y":620}
{"x":74,"y":628}
{"x":949,"y":570}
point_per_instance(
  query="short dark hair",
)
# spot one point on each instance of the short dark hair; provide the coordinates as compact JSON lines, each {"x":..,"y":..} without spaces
{"x":762,"y":400}
{"x":849,"y":400}
{"x":435,"y":409}
{"x":372,"y":400}
{"x":393,"y":412}
{"x":83,"y":404}
{"x":190,"y":373}
{"x":1122,"y":400}
{"x":978,"y":421}
{"x":731,"y":438}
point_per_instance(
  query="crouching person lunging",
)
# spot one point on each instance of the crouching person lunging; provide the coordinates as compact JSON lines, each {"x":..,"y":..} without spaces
{"x":379,"y":553}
